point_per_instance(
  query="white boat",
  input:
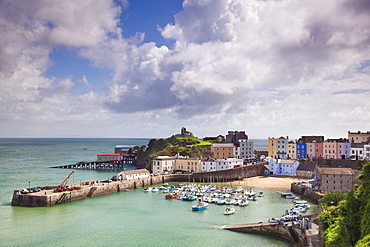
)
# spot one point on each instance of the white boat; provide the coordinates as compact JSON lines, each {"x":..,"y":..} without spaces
{"x":299,"y":201}
{"x":148,"y":189}
{"x":229,"y":201}
{"x":156,"y":189}
{"x":229,"y":210}
{"x":243,"y":203}
{"x":260,"y":194}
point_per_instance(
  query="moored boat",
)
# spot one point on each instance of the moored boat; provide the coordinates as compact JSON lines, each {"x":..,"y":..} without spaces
{"x":148,"y":189}
{"x":201,"y":205}
{"x":243,"y":203}
{"x":171,"y":196}
{"x":229,"y":210}
{"x":299,"y":201}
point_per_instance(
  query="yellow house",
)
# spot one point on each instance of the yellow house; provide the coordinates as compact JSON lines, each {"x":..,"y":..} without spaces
{"x":359,"y":136}
{"x":223,"y":150}
{"x":291,"y":150}
{"x":277,"y":147}
{"x":187,"y":164}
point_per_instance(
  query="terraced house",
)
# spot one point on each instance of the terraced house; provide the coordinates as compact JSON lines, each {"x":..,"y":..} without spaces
{"x":277,"y":147}
{"x":222,"y":150}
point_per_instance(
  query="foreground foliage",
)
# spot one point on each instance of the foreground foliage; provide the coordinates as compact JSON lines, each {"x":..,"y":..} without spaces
{"x":346,"y":221}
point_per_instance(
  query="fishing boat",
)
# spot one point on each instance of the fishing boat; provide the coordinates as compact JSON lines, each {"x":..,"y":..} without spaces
{"x":201,"y":205}
{"x":229,"y":210}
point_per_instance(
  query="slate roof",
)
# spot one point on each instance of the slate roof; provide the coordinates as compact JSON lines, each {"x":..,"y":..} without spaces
{"x":282,"y":161}
{"x":306,"y":167}
{"x":335,"y":171}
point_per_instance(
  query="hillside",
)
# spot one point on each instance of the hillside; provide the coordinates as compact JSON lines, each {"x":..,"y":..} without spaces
{"x":183,"y":145}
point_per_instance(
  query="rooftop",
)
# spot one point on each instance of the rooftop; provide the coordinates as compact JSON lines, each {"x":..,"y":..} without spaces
{"x":335,"y":171}
{"x":137,"y":171}
{"x":306,"y":167}
{"x":225,"y":145}
{"x":282,"y":161}
{"x":164,"y":158}
{"x":109,"y":154}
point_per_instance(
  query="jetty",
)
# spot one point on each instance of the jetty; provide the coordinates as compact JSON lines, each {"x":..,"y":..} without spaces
{"x":98,"y":165}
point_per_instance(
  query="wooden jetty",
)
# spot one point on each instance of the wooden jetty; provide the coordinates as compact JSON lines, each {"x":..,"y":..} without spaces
{"x":97,"y":165}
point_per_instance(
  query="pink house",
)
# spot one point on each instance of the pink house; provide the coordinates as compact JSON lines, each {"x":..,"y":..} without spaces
{"x":330,"y":150}
{"x":310,"y":149}
{"x":319,"y":150}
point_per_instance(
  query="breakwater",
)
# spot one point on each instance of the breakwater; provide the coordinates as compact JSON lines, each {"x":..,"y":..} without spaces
{"x":298,"y":235}
{"x":286,"y":231}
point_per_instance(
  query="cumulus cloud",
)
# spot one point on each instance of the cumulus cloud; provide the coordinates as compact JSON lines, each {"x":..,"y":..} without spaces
{"x":30,"y":32}
{"x":227,"y":49}
{"x":235,"y":64}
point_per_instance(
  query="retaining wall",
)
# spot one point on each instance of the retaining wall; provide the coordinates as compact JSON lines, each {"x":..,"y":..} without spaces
{"x":305,"y":191}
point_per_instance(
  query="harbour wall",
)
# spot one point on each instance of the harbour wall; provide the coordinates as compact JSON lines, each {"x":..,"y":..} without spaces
{"x":46,"y":197}
{"x":305,"y":191}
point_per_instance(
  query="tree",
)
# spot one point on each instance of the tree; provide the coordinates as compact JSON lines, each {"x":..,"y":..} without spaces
{"x":332,"y":198}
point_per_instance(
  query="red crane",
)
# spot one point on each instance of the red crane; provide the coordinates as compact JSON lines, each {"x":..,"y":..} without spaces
{"x":62,"y":187}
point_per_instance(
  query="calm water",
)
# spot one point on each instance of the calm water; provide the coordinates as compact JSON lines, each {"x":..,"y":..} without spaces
{"x":130,"y":218}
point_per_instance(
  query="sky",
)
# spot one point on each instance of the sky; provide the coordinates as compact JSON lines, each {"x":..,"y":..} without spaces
{"x":146,"y":68}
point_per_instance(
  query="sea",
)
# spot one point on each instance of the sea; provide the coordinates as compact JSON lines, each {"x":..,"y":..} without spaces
{"x":128,"y":218}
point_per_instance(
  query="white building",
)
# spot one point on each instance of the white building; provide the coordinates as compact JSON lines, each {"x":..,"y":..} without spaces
{"x":229,"y":163}
{"x":283,"y":167}
{"x":358,"y":152}
{"x":367,"y":150}
{"x":207,"y":165}
{"x":163,"y":164}
{"x":134,"y":174}
{"x":245,"y":149}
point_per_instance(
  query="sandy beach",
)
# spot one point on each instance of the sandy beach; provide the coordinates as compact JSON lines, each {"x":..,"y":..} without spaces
{"x":271,"y":183}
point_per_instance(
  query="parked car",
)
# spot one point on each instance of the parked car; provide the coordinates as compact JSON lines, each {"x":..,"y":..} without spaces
{"x":24,"y":191}
{"x":116,"y":178}
{"x":36,"y":189}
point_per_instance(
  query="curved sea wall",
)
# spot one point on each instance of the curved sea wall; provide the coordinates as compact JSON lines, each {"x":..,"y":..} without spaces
{"x":293,"y":234}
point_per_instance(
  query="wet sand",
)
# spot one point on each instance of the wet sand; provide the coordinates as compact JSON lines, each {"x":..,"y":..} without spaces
{"x":271,"y":183}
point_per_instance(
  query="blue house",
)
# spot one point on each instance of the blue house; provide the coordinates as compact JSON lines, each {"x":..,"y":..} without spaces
{"x":301,"y":149}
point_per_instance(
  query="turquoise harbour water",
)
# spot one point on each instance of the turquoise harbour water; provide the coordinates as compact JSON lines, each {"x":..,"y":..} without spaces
{"x":131,"y":218}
